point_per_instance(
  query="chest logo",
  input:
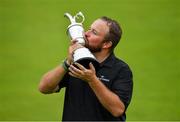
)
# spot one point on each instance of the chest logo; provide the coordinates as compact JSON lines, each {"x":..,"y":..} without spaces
{"x":102,"y":78}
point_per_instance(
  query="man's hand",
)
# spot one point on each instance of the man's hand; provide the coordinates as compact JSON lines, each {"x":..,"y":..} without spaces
{"x":73,"y":46}
{"x":82,"y":73}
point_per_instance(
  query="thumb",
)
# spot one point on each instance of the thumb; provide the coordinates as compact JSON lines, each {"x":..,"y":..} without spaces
{"x":92,"y":66}
{"x":73,"y":42}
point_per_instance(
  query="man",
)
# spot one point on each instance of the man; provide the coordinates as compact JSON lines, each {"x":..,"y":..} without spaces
{"x":93,"y":95}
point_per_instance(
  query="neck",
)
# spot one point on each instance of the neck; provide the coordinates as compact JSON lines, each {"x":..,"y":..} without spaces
{"x":101,"y":56}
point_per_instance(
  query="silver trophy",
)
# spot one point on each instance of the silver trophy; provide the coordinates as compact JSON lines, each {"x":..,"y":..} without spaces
{"x":76,"y":32}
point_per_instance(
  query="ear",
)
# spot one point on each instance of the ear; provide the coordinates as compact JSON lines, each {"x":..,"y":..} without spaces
{"x":107,"y":44}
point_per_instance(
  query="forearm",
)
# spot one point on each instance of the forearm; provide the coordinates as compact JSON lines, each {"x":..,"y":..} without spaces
{"x":49,"y":82}
{"x":107,"y":98}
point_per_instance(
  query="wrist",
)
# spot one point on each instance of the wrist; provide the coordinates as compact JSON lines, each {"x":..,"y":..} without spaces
{"x":65,"y":65}
{"x":67,"y":62}
{"x":93,"y":80}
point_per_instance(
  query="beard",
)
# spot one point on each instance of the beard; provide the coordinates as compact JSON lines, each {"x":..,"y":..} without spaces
{"x":94,"y":49}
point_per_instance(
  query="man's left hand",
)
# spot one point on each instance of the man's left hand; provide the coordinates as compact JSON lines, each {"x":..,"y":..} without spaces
{"x":82,"y":73}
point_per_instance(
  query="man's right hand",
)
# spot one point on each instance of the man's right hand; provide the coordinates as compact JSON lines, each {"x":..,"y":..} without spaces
{"x":50,"y":81}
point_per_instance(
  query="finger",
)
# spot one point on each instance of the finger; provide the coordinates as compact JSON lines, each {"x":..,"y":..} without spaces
{"x":76,"y":70}
{"x":81,"y":67}
{"x":71,"y":74}
{"x":92,"y":66}
{"x":73,"y":71}
{"x":77,"y":45}
{"x":73,"y":42}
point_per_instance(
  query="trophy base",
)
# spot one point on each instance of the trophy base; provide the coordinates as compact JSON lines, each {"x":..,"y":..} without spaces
{"x":84,"y":57}
{"x":85,"y":62}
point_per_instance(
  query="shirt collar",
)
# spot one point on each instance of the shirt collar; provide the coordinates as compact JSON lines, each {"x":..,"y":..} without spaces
{"x":108,"y":61}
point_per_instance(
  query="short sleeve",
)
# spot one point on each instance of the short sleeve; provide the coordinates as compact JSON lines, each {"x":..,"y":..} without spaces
{"x":64,"y":82}
{"x":123,"y":85}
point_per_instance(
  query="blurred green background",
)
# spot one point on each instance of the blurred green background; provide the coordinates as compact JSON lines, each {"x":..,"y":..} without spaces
{"x":33,"y":40}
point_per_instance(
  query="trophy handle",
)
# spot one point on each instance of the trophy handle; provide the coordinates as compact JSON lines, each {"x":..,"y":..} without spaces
{"x":72,"y":19}
{"x":80,"y":14}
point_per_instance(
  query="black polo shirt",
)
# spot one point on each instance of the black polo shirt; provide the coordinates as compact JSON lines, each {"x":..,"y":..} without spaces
{"x":81,"y":102}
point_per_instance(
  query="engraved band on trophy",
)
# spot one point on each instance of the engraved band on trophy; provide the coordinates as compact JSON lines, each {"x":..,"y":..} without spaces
{"x":75,"y":30}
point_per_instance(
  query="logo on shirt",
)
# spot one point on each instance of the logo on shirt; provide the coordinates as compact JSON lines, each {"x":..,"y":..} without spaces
{"x":102,"y":78}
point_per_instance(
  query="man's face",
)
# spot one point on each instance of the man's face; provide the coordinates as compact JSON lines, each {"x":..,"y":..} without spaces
{"x":95,"y":35}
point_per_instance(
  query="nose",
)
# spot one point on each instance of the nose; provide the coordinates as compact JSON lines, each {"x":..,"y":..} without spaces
{"x":87,"y":33}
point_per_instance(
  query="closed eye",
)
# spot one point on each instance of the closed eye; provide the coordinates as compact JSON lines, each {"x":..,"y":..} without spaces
{"x":93,"y":31}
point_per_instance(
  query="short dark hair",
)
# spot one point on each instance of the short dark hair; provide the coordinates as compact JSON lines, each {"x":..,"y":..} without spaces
{"x":115,"y":31}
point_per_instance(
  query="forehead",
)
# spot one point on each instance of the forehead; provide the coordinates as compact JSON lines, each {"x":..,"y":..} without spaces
{"x":100,"y":26}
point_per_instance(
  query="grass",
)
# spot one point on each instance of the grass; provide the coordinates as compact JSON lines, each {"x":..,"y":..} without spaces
{"x":33,"y":41}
